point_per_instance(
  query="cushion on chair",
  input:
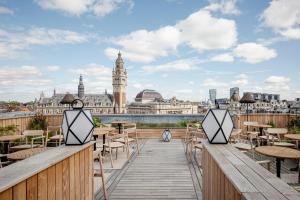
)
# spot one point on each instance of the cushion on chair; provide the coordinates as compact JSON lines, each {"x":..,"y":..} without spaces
{"x":114,"y":145}
{"x":24,"y":146}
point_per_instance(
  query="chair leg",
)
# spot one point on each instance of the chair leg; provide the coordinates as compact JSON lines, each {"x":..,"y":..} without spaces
{"x":117,"y":153}
{"x":137,"y":146}
{"x":111,"y":160}
{"x":102,"y":177}
{"x":269,"y":166}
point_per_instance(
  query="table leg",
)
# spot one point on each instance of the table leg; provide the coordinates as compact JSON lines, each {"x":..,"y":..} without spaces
{"x":5,"y":146}
{"x":103,"y":148}
{"x":278,"y":167}
{"x":95,"y":147}
{"x":261,"y":131}
{"x":119,"y":125}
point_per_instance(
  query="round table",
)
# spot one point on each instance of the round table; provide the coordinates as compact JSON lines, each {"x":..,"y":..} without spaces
{"x":261,"y":127}
{"x":9,"y":138}
{"x":120,"y":124}
{"x":101,"y":132}
{"x":279,"y":153}
{"x":295,"y":137}
{"x":23,"y":154}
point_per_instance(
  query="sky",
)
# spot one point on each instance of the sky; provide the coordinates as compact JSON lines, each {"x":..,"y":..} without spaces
{"x":180,"y":48}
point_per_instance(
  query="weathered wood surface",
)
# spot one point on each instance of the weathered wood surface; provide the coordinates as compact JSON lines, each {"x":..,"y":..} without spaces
{"x":160,"y":171}
{"x":230,"y":174}
{"x":50,"y":175}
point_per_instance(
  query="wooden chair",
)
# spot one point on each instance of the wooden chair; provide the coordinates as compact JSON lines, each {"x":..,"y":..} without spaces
{"x":246,"y":144}
{"x":131,"y":132}
{"x":35,"y":135}
{"x":3,"y":163}
{"x":248,"y":127}
{"x":100,"y":173}
{"x":111,"y":144}
{"x":274,"y":137}
{"x":58,"y":137}
{"x":234,"y":137}
{"x":191,"y":136}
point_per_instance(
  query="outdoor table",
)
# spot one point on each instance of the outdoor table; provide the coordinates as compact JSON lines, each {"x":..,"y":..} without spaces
{"x":279,"y":153}
{"x":23,"y":154}
{"x":101,"y":132}
{"x":261,"y":127}
{"x":295,"y":137}
{"x":120,"y":124}
{"x":9,"y":138}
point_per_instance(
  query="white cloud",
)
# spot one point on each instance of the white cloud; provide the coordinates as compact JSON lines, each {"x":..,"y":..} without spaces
{"x":145,"y":46}
{"x":202,"y":31}
{"x":226,"y":57}
{"x":79,"y":7}
{"x":241,"y":80}
{"x":277,"y":84}
{"x":254,"y":53}
{"x":53,"y":68}
{"x":13,"y":44}
{"x":4,"y":10}
{"x":178,"y":65}
{"x":93,"y":69}
{"x":209,"y":82}
{"x":224,"y":6}
{"x":184,"y":91}
{"x":284,"y":17}
{"x":292,"y":33}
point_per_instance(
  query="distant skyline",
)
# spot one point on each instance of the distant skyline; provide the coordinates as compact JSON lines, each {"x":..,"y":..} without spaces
{"x":180,"y":48}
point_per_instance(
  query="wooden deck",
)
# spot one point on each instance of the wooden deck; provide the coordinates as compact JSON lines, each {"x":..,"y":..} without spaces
{"x":160,"y":171}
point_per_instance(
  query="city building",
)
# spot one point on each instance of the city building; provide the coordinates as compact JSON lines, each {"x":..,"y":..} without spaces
{"x":119,"y":82}
{"x":233,"y":91}
{"x":152,"y":102}
{"x":265,"y":96}
{"x":212,"y":95}
{"x":98,"y":103}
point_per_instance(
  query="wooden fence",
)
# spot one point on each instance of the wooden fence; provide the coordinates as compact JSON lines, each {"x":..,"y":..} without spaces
{"x":60,"y":173}
{"x":279,"y":120}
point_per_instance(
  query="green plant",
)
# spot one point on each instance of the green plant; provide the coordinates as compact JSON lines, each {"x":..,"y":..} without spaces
{"x":39,"y":122}
{"x":272,"y":124}
{"x":8,"y":130}
{"x":97,"y":122}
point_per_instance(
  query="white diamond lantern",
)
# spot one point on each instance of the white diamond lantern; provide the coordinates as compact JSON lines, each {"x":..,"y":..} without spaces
{"x":167,"y":135}
{"x":77,"y":125}
{"x":217,"y":126}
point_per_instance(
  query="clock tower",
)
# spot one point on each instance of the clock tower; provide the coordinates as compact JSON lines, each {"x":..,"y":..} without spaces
{"x":119,"y":82}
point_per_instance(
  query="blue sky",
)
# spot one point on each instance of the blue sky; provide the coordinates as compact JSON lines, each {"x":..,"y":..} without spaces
{"x":180,"y":48}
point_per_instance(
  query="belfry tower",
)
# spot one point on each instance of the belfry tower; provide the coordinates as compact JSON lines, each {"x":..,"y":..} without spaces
{"x":80,"y":88}
{"x":119,"y":82}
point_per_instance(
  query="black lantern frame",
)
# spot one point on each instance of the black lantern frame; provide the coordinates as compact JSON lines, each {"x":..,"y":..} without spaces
{"x":220,"y":124}
{"x":80,"y":111}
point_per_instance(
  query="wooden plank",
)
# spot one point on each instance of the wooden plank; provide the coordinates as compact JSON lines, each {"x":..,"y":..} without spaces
{"x":59,"y":181}
{"x":81,"y":172}
{"x":35,"y":164}
{"x":66,"y":179}
{"x":19,"y":191}
{"x":51,"y":183}
{"x":42,"y":185}
{"x":86,"y":173}
{"x":32,"y":188}
{"x":77,"y":176}
{"x":91,"y":173}
{"x":72,"y":177}
{"x":6,"y":195}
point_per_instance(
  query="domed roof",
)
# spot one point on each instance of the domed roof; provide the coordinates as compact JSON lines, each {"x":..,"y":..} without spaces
{"x":235,"y":97}
{"x":148,"y":95}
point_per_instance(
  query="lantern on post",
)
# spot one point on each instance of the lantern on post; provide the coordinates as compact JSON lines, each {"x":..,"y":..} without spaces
{"x":217,"y":126}
{"x":77,"y":125}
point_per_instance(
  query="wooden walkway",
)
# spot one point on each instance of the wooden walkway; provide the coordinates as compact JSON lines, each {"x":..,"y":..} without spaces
{"x":160,"y":171}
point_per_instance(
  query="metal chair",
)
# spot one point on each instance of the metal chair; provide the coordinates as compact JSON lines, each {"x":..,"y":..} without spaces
{"x":35,"y":135}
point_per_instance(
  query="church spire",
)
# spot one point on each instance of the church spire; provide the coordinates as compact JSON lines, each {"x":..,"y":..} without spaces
{"x":119,"y":61}
{"x":80,"y":87}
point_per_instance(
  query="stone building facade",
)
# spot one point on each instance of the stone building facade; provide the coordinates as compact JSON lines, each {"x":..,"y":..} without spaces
{"x":152,"y":102}
{"x":98,"y":103}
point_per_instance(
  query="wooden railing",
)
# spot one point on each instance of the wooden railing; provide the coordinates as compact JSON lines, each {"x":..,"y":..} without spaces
{"x":65,"y":172}
{"x":230,"y":174}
